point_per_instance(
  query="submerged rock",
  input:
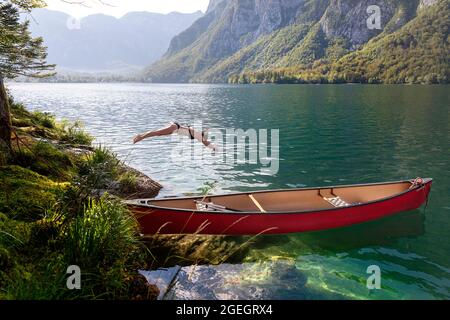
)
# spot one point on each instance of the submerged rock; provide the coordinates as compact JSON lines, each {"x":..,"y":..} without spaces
{"x":140,"y":289}
{"x":248,"y":281}
{"x":162,"y":279}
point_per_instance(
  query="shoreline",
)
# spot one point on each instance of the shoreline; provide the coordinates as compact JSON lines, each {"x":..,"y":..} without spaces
{"x":232,"y":83}
{"x":60,"y":205}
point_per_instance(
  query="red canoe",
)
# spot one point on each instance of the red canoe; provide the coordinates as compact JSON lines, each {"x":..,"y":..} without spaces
{"x":279,"y":211}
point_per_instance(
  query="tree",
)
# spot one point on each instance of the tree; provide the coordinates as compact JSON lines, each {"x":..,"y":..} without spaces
{"x":20,"y":54}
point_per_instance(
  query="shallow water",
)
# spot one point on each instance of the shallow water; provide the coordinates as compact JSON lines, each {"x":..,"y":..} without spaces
{"x":328,"y":135}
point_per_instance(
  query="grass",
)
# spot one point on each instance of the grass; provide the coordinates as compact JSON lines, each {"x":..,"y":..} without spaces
{"x":37,"y":284}
{"x":98,"y":169}
{"x":102,"y":240}
{"x":74,"y":133}
{"x":43,"y":125}
{"x":104,"y":233}
{"x":44,"y":119}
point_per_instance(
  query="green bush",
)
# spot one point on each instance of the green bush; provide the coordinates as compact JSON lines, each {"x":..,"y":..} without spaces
{"x":98,"y":168}
{"x":102,"y":235}
{"x":73,"y":133}
{"x":44,"y":119}
{"x":105,"y":157}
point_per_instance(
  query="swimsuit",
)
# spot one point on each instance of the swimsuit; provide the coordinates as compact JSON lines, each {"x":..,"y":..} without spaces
{"x":191,"y":135}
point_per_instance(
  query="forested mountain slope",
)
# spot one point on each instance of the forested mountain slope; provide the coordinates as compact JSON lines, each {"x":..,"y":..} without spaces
{"x":311,"y":41}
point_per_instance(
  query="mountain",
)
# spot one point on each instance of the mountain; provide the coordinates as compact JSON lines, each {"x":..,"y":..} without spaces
{"x":311,"y":41}
{"x":100,"y":42}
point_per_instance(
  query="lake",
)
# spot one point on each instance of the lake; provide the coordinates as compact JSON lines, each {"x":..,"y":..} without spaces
{"x":328,"y":135}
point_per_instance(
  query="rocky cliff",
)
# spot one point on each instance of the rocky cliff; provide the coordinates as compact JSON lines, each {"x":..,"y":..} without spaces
{"x":236,"y":35}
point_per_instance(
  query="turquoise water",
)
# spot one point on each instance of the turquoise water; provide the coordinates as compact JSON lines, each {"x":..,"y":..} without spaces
{"x":328,"y":135}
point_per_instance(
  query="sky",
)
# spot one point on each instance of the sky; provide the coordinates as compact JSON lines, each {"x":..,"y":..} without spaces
{"x":119,"y":8}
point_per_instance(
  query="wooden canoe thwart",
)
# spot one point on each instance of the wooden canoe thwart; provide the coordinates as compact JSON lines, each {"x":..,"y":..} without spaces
{"x":279,"y":211}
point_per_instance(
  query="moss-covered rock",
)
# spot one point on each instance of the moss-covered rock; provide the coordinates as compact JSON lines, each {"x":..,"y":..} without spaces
{"x":45,"y":158}
{"x":26,"y":195}
{"x":13,"y":233}
{"x":101,"y":171}
{"x":135,"y":184}
{"x":21,"y":122}
{"x":39,"y":132}
{"x":13,"y":236}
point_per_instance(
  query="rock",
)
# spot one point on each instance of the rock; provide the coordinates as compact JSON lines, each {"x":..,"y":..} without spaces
{"x":78,"y":150}
{"x":212,"y":5}
{"x":247,"y":281}
{"x":249,"y":19}
{"x":348,"y":19}
{"x":161,"y":278}
{"x":227,"y":27}
{"x":140,"y":289}
{"x":145,"y":186}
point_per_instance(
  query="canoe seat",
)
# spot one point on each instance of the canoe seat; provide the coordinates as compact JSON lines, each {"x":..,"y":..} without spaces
{"x":209,"y":206}
{"x":257,"y":204}
{"x":336,"y":201}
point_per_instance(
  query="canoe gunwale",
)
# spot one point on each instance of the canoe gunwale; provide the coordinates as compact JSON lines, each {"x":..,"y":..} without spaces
{"x":426,"y":181}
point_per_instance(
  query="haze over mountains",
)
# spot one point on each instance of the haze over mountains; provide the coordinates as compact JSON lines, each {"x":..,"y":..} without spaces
{"x":320,"y":41}
{"x":104,"y":43}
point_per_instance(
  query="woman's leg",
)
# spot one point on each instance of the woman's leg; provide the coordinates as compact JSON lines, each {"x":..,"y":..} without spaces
{"x":168,"y":130}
